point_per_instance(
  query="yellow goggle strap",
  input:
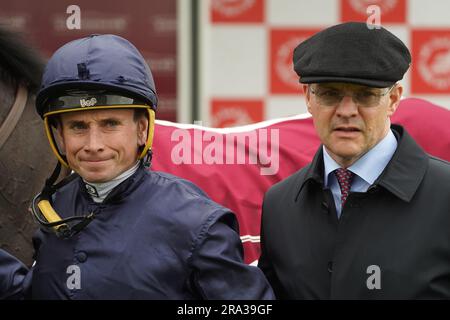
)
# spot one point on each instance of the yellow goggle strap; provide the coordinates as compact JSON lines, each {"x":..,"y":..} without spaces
{"x":51,"y":140}
{"x":150,"y":133}
{"x":50,"y":214}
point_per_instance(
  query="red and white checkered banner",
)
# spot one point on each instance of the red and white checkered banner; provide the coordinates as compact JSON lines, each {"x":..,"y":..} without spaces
{"x":249,"y":47}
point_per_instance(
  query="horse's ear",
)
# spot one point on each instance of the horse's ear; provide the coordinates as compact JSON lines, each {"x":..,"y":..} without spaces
{"x":19,"y":62}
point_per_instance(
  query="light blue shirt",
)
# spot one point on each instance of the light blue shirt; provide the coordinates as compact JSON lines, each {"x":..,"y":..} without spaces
{"x":366,"y":169}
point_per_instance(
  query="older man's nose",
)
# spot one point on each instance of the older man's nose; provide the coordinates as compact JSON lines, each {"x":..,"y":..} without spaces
{"x":347,"y":107}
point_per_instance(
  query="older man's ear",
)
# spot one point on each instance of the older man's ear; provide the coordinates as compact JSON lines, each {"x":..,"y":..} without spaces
{"x":395,"y":97}
{"x":307,"y":96}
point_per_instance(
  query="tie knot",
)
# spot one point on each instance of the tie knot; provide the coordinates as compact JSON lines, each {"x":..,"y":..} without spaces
{"x":344,"y":178}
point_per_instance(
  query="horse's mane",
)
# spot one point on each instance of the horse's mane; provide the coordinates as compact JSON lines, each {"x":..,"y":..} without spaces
{"x":19,"y":63}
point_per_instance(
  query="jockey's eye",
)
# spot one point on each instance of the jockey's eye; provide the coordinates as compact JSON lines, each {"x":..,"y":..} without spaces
{"x":77,"y":125}
{"x":110,"y":123}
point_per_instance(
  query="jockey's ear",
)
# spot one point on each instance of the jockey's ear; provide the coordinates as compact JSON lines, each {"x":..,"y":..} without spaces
{"x":142,"y":129}
{"x":58,"y":131}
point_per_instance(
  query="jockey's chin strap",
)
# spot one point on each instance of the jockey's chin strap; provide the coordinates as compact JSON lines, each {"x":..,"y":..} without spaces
{"x":47,"y":217}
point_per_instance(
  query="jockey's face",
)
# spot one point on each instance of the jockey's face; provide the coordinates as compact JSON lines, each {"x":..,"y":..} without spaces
{"x":101,"y":144}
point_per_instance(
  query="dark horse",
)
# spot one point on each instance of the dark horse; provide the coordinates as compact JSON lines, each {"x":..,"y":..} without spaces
{"x":25,"y":157}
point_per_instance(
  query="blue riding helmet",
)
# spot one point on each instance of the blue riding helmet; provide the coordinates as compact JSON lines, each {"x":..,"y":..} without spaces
{"x":96,"y":72}
{"x":97,"y":62}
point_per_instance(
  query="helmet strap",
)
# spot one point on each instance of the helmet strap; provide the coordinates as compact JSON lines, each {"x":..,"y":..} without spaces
{"x":47,"y":217}
{"x":147,"y":160}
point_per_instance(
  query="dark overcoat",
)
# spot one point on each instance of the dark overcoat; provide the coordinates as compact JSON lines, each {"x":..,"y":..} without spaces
{"x":391,"y":242}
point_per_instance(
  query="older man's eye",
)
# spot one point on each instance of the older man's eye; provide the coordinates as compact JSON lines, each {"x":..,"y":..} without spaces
{"x":329,"y":93}
{"x":366,"y":94}
{"x":326,"y":93}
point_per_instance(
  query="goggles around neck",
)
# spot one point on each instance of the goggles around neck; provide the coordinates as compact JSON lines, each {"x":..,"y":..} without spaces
{"x":46,"y":216}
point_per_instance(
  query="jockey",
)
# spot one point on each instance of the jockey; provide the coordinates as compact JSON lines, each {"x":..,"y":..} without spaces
{"x":114,"y":229}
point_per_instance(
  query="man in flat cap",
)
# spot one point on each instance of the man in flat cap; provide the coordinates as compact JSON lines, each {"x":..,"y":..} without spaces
{"x":369,"y":218}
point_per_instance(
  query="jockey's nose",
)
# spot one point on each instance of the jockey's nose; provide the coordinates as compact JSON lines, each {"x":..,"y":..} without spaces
{"x":94,"y":140}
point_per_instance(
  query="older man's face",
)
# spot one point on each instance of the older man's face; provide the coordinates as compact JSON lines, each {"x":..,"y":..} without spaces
{"x":349,"y":128}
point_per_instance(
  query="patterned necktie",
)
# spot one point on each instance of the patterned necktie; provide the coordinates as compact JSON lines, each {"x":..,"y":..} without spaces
{"x":344,"y":178}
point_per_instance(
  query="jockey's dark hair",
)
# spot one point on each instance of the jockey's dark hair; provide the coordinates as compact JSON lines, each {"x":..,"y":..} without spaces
{"x":19,"y":62}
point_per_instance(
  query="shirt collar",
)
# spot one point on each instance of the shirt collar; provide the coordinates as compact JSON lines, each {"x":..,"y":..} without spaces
{"x":99,"y":191}
{"x":402,"y":176}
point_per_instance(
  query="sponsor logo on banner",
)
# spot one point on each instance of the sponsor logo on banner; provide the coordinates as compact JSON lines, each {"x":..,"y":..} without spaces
{"x":284,"y":64}
{"x":431,"y":70}
{"x":391,"y":10}
{"x":16,"y":22}
{"x":232,"y":113}
{"x":237,"y":10}
{"x":161,"y":63}
{"x":360,"y":6}
{"x":283,"y":79}
{"x":162,"y":24}
{"x":94,"y":22}
{"x":434,"y":63}
{"x":231,"y":8}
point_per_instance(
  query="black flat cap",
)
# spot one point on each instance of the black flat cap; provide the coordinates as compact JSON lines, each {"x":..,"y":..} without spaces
{"x":352,"y":53}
